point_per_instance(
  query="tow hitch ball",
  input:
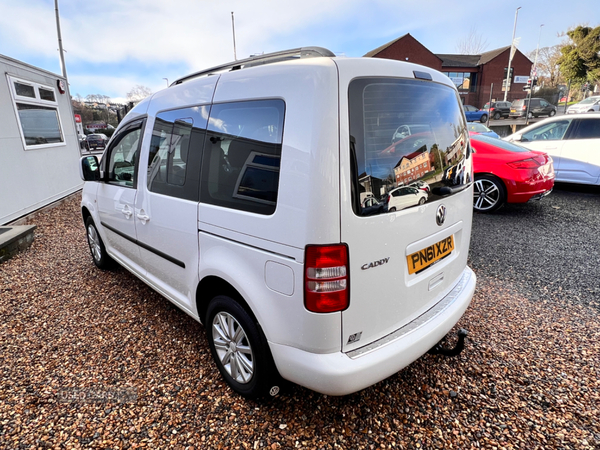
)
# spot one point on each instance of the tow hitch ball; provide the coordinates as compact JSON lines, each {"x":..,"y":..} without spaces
{"x":460,"y":345}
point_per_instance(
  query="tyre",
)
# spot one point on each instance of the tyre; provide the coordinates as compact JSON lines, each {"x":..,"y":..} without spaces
{"x":489,"y":194}
{"x":240,"y":349}
{"x":497,"y":116}
{"x":422,"y":201}
{"x":97,"y":249}
{"x":483,"y":118}
{"x":552,"y":113}
{"x":392,"y":209}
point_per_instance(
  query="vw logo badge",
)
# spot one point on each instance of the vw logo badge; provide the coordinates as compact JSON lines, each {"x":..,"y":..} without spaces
{"x":440,"y":216}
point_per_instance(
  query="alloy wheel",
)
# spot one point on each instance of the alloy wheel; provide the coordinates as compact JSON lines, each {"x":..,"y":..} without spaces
{"x":94,"y":242}
{"x":233,"y":347}
{"x":486,"y":195}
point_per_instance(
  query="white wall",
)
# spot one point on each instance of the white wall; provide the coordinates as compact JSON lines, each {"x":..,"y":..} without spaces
{"x":31,"y":178}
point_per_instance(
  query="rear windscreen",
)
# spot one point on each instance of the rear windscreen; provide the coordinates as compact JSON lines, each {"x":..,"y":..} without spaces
{"x":405,"y":133}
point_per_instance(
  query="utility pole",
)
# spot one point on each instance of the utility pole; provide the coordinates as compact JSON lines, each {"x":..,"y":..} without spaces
{"x":60,"y":46}
{"x":233,"y":29}
{"x":512,"y":46}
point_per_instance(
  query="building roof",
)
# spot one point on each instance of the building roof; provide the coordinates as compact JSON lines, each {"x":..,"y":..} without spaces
{"x":383,"y":47}
{"x":459,"y":60}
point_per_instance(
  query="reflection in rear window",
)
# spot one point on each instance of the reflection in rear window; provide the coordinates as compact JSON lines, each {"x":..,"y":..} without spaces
{"x":407,"y":133}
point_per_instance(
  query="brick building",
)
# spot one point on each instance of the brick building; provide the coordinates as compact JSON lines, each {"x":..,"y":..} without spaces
{"x":412,"y":167}
{"x":473,"y":75}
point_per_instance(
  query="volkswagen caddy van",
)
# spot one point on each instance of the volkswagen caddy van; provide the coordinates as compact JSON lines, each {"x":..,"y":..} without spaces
{"x":236,"y":194}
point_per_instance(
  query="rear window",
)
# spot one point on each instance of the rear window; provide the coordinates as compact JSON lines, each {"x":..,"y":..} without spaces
{"x":518,"y":103}
{"x":403,"y":131}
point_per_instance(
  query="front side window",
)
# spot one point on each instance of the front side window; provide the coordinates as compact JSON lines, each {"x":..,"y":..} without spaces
{"x":123,"y":156}
{"x":431,"y":148}
{"x":38,"y":115}
{"x":551,"y":131}
{"x":240,"y":166}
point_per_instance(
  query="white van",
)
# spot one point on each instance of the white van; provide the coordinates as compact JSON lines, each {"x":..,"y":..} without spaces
{"x":236,"y":194}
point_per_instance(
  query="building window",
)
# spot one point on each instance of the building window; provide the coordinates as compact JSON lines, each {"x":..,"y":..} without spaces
{"x":464,"y":81}
{"x":37,"y":113}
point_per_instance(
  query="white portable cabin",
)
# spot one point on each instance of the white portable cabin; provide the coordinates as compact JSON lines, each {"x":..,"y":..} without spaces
{"x":39,"y":148}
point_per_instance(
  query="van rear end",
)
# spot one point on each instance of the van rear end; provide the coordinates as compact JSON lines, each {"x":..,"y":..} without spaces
{"x":399,"y":277}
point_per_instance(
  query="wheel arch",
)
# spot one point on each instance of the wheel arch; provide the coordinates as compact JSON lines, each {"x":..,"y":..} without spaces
{"x":211,"y":286}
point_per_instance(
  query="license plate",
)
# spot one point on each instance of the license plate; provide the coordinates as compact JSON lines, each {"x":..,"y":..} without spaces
{"x":513,"y":110}
{"x":424,"y":258}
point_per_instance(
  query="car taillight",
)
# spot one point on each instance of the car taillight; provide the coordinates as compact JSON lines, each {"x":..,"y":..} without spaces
{"x":492,"y":109}
{"x":326,"y":278}
{"x":529,"y":163}
{"x":524,"y":107}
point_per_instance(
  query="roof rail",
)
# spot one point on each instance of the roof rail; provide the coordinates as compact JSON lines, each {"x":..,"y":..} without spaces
{"x":269,"y":58}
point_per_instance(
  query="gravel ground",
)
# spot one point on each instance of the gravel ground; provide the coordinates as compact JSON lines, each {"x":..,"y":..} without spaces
{"x":528,"y":378}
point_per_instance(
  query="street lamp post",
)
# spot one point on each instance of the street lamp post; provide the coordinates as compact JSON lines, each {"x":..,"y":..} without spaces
{"x":167,"y":80}
{"x":512,"y":45}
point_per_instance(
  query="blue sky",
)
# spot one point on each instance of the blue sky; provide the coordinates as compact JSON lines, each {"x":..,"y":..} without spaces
{"x":114,"y":45}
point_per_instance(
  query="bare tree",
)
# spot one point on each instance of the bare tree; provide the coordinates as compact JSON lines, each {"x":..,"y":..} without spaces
{"x":472,"y":44}
{"x":138,"y":93}
{"x":548,"y":67}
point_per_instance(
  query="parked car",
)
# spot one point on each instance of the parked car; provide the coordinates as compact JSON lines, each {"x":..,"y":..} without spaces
{"x":539,"y":107}
{"x":497,"y":110}
{"x":405,"y":197}
{"x":371,"y":206}
{"x":474,"y":114}
{"x":96,"y":141}
{"x":572,"y":140}
{"x":422,"y":185}
{"x":590,"y":104}
{"x":236,"y":194}
{"x":479,"y":128}
{"x":508,"y":173}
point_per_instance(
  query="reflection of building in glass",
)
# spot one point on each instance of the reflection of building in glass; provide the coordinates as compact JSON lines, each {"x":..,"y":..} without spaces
{"x":454,"y":152}
{"x":412,"y":167}
{"x":371,"y":184}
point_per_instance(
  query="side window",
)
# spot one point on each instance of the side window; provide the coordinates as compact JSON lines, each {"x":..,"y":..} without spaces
{"x":544,"y":103}
{"x":240,"y":166}
{"x":176,"y":152}
{"x":551,"y":131}
{"x":123,"y":156}
{"x":587,"y":129}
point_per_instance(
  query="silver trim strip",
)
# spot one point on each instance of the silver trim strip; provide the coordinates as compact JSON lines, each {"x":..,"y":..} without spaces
{"x":420,"y":321}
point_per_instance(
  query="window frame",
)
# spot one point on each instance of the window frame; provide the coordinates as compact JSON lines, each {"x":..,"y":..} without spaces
{"x":39,"y":102}
{"x":124,"y":131}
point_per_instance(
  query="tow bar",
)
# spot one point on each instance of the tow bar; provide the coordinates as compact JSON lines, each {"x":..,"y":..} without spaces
{"x":458,"y":348}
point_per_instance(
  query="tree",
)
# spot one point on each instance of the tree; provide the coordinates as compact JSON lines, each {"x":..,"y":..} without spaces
{"x":472,"y":44}
{"x":548,"y":67}
{"x":138,"y":93}
{"x":580,"y":60}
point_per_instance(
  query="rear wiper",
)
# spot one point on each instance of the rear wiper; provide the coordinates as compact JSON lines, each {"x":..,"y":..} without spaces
{"x":449,"y":190}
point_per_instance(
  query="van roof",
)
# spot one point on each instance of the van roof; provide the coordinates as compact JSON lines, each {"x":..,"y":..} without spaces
{"x":269,"y":58}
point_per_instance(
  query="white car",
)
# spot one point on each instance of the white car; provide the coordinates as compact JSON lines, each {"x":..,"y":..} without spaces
{"x":572,"y":140}
{"x":236,"y":194}
{"x":404,"y":197}
{"x":590,"y":104}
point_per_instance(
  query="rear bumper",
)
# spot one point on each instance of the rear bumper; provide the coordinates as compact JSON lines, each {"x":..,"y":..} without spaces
{"x":522,"y":192}
{"x":344,"y":373}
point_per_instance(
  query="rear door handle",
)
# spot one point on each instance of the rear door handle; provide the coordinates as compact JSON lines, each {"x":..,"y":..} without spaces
{"x":143,"y":217}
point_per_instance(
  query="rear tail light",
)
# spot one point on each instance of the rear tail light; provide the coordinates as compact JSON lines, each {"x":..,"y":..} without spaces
{"x":529,"y":163}
{"x":326,"y":280}
{"x":524,"y":107}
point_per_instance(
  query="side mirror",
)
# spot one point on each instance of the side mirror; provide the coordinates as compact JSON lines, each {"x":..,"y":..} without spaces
{"x":89,"y":169}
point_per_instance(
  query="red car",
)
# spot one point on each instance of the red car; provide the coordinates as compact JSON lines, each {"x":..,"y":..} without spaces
{"x":508,"y":173}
